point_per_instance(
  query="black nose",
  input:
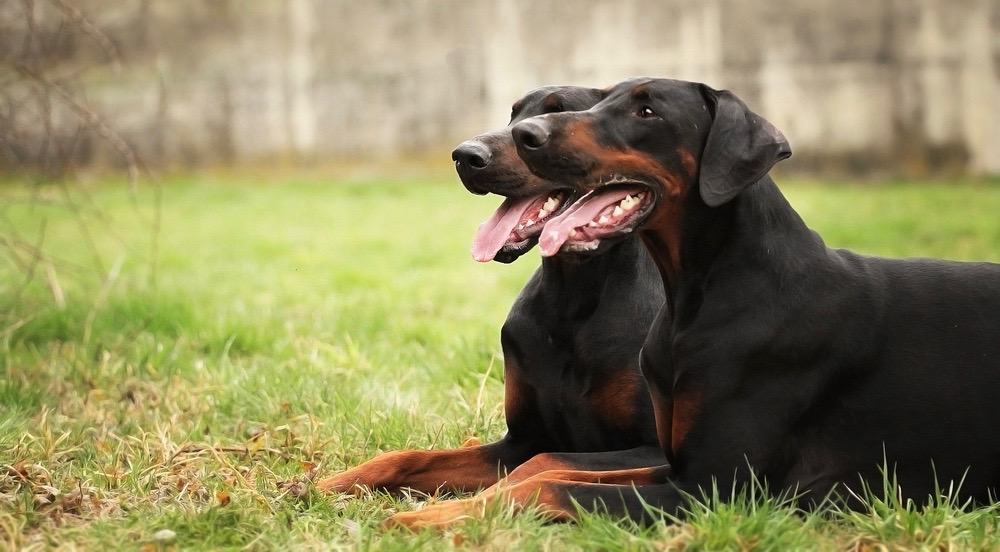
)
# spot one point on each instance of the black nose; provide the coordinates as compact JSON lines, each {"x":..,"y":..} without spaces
{"x":472,"y":154}
{"x":530,"y":134}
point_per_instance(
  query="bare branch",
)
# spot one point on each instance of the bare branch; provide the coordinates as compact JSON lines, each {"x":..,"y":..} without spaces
{"x":28,"y":44}
{"x":93,"y":119}
{"x":102,"y":297}
{"x":76,"y":16}
{"x":54,"y":286}
{"x":41,"y":80}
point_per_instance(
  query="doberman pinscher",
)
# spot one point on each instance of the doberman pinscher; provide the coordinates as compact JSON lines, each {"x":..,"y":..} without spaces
{"x":777,"y":357}
{"x":575,"y":398}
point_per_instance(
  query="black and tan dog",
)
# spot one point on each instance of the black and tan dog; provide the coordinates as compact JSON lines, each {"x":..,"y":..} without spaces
{"x":809,"y":365}
{"x":575,"y":399}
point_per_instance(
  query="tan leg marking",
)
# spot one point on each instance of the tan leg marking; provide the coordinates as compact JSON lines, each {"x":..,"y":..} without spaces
{"x":463,"y":469}
{"x":538,"y":490}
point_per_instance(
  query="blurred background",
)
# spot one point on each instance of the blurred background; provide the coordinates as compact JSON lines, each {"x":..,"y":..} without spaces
{"x":234,"y":253}
{"x":906,"y":87}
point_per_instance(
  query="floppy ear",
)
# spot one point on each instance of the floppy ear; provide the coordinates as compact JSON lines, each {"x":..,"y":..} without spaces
{"x":741,"y":148}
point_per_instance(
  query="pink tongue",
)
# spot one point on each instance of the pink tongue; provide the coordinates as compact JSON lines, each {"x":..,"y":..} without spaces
{"x":558,"y":228}
{"x":493,"y":233}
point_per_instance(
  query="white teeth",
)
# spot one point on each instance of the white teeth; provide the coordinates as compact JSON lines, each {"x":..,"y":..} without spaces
{"x":573,"y":233}
{"x":603,"y":220}
{"x":592,"y":224}
{"x":547,"y":208}
{"x":629,"y":202}
{"x":529,"y":222}
{"x":618,"y":211}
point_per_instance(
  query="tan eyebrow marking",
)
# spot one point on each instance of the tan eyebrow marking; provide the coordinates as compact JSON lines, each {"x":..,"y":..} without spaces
{"x":641,"y":92}
{"x":552,"y":102}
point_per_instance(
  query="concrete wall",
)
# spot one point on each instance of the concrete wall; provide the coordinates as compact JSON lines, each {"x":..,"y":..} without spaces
{"x":897,"y":85}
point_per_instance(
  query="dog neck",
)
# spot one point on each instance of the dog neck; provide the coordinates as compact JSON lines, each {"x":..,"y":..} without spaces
{"x":576,"y":283}
{"x":765,"y":231}
{"x":759,"y":226}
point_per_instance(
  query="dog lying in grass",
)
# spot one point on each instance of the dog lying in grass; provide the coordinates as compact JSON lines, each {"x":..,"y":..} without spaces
{"x":775,"y":357}
{"x":575,"y":399}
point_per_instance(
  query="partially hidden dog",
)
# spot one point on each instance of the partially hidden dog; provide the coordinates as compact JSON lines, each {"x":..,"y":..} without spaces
{"x":575,"y":400}
{"x":775,"y":357}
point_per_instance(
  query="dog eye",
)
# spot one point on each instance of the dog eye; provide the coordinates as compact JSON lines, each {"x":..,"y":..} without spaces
{"x":646,"y":112}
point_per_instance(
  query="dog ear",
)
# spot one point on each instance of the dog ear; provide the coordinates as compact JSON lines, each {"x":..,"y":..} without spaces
{"x":741,"y":148}
{"x":595,"y":95}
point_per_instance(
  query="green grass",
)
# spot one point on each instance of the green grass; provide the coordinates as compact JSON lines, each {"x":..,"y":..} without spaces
{"x":303,"y":325}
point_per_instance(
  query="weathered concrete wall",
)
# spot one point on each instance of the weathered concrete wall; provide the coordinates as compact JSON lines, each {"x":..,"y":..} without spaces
{"x":900,"y":85}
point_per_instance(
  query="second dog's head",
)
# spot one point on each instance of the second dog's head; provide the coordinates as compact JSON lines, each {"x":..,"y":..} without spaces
{"x":489,"y":163}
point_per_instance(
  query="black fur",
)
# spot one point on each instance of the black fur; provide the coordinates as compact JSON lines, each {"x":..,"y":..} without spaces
{"x":811,"y":365}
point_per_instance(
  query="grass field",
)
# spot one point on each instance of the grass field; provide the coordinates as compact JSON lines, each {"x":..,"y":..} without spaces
{"x":301,"y":325}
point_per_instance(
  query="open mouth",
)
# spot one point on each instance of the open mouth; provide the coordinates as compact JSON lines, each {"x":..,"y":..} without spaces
{"x":607,"y":212}
{"x":515,"y":224}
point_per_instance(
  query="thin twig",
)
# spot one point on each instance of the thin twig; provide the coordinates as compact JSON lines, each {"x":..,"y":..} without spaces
{"x":36,"y":257}
{"x":57,"y":292}
{"x":132,"y":162}
{"x":102,"y":296}
{"x":8,"y":332}
{"x":76,"y":16}
{"x":31,"y":96}
{"x":14,"y":244}
{"x":27,"y":46}
{"x":155,"y":237}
